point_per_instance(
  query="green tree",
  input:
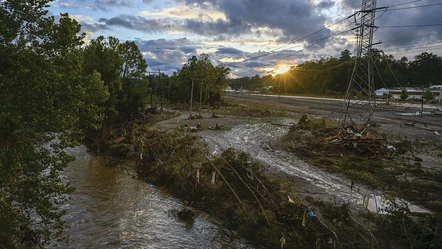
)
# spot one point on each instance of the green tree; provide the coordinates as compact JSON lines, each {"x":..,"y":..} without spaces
{"x":345,"y":55}
{"x":208,"y":81}
{"x":44,"y":95}
{"x":426,"y":69}
{"x":404,"y":94}
{"x":428,"y":95}
{"x":101,"y":55}
{"x":135,"y":85}
{"x":122,"y":68}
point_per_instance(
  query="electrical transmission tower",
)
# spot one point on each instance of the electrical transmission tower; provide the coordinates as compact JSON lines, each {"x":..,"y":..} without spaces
{"x":362,"y":79}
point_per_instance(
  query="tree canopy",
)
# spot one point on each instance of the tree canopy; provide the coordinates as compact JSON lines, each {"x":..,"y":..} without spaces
{"x":44,"y":94}
{"x":208,"y":81}
{"x":123,"y":71}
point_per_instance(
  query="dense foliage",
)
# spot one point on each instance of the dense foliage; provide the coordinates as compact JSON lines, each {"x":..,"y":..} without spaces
{"x":123,"y":71}
{"x":330,"y":76}
{"x":200,"y":75}
{"x":44,"y":94}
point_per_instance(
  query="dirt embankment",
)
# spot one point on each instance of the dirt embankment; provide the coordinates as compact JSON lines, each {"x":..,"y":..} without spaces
{"x":237,"y":190}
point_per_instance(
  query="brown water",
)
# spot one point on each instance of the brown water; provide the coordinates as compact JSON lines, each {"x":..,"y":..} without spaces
{"x":110,"y":209}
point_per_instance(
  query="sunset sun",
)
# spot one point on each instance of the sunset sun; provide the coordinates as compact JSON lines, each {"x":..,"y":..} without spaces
{"x":282,"y":69}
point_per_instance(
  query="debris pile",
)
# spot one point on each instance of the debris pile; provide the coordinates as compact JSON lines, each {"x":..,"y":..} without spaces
{"x":364,"y":140}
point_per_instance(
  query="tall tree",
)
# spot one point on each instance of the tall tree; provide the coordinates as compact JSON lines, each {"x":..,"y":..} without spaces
{"x":135,"y":85}
{"x":43,"y":95}
{"x":426,"y":69}
{"x":101,"y":55}
{"x":204,"y":76}
{"x":122,"y":68}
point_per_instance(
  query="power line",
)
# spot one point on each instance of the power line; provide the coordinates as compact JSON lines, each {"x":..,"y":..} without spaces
{"x":405,"y":3}
{"x":300,"y":39}
{"x":312,"y":44}
{"x":414,"y":7}
{"x":412,"y":37}
{"x":416,"y":48}
{"x":411,"y":26}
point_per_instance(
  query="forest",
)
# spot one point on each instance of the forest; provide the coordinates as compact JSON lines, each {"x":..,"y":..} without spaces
{"x":330,"y":76}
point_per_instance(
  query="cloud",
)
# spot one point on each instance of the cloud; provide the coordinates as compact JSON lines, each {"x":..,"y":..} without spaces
{"x":352,"y":4}
{"x":295,"y":19}
{"x":217,"y":28}
{"x":185,"y":12}
{"x":107,"y":4}
{"x":167,"y":54}
{"x":137,"y":23}
{"x":327,"y":4}
{"x":404,"y":36}
{"x":101,"y":5}
{"x":224,"y":50}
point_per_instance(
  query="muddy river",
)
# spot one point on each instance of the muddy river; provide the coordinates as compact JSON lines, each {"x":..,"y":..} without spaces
{"x":111,"y":209}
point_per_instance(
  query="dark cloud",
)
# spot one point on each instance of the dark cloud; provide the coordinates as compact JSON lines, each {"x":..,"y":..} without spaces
{"x":327,"y":4}
{"x":295,"y":19}
{"x":229,"y":28}
{"x":352,"y":4}
{"x":107,"y":4}
{"x":136,"y":23}
{"x":254,"y":64}
{"x":230,"y":51}
{"x":401,"y":14}
{"x":94,"y":28}
{"x":407,"y":36}
{"x":184,"y":45}
{"x":165,"y":54}
{"x":102,"y":5}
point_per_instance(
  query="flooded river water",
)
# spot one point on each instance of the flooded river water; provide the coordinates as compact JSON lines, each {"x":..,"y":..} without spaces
{"x":110,"y":209}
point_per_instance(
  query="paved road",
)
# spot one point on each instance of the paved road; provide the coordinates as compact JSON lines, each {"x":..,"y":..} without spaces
{"x":392,"y":118}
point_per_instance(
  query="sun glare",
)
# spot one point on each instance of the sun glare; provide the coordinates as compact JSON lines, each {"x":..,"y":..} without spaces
{"x":282,"y":69}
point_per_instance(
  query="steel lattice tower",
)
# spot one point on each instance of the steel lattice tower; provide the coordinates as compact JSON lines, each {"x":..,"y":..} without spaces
{"x":362,"y":76}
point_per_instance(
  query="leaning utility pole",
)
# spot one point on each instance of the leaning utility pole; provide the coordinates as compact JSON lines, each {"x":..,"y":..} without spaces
{"x":362,"y":76}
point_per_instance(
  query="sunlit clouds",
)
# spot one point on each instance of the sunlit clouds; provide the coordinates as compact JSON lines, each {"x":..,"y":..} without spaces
{"x":250,"y":37}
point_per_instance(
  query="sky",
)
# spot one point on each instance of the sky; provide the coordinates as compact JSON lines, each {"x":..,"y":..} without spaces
{"x":255,"y":36}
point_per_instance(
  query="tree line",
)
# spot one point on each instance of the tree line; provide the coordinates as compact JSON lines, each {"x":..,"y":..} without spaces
{"x":330,"y":76}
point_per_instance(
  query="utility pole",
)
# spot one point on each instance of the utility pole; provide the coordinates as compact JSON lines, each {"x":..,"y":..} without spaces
{"x":161,"y":92}
{"x":362,"y":76}
{"x":422,"y":102}
{"x":151,"y":93}
{"x":201,"y":97}
{"x":191,"y":101}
